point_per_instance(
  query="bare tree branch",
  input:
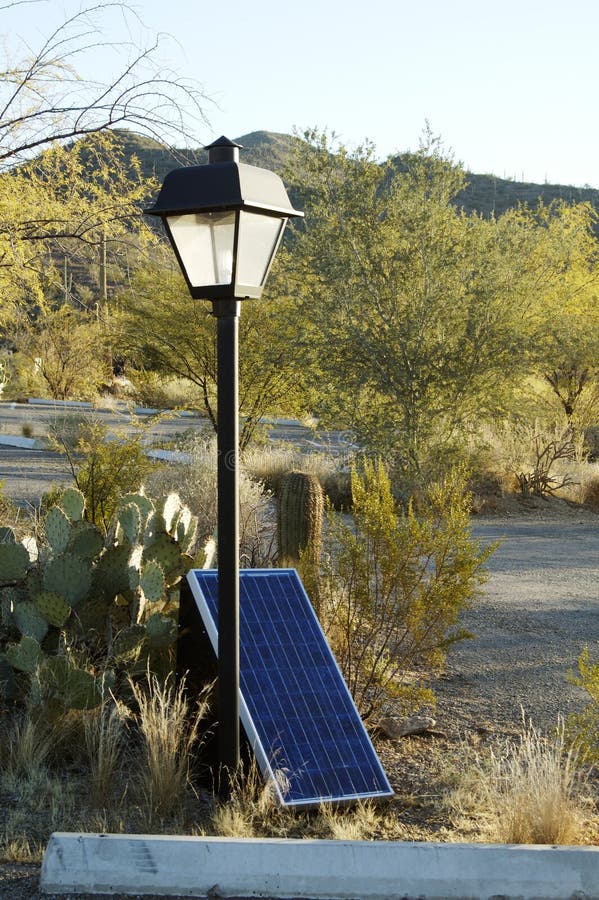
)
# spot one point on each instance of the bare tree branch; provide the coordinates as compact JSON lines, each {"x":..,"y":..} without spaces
{"x":43,"y":99}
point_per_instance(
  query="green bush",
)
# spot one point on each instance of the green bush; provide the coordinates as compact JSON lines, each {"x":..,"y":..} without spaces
{"x":104,"y":470}
{"x":582,"y":728}
{"x":396,"y":585}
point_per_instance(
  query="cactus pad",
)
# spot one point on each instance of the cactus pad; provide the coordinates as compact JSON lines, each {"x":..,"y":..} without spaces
{"x":186,"y":532}
{"x":58,"y":530}
{"x":143,"y":503}
{"x":70,"y":576}
{"x":24,"y":656}
{"x":7,"y":535}
{"x":29,"y":621}
{"x":34,"y":583}
{"x":129,"y":518}
{"x":151,"y":581}
{"x":111,"y":575}
{"x":32,"y":548}
{"x":161,"y":631}
{"x":128,"y":640}
{"x":166,"y":552}
{"x":72,"y":504}
{"x":14,"y":562}
{"x":52,"y":607}
{"x":86,"y":540}
{"x":83,"y":691}
{"x":9,"y":597}
{"x":76,"y":688}
{"x":170,"y":509}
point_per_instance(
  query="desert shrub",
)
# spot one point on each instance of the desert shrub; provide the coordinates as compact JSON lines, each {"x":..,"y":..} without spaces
{"x":154,"y":390}
{"x":582,"y":728}
{"x":65,"y":429}
{"x":195,"y":481}
{"x":590,"y":489}
{"x":536,"y":455}
{"x":104,"y":470}
{"x":396,"y":583}
{"x":9,"y":512}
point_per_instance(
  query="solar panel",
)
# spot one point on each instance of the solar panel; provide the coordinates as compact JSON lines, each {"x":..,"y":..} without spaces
{"x":298,"y":714}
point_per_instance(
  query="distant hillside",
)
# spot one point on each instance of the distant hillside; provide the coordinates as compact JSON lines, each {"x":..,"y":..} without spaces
{"x":486,"y":194}
{"x":260,"y":148}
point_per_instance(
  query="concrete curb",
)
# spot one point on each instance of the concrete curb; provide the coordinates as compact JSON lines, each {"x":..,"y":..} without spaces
{"x":23,"y":443}
{"x":337,"y":870}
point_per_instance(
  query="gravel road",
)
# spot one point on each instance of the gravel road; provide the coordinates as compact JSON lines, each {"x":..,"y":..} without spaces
{"x":27,"y":474}
{"x":540,"y":607}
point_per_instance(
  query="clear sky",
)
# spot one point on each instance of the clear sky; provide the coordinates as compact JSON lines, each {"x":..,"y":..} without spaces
{"x":512,"y":87}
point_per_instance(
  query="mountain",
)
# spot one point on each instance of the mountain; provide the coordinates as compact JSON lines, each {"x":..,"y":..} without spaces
{"x":486,"y":194}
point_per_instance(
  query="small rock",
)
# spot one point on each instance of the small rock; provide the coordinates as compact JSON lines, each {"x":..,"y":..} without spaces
{"x":397,"y":728}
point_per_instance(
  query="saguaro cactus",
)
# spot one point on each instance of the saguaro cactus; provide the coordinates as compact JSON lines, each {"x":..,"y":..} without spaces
{"x":300,"y":519}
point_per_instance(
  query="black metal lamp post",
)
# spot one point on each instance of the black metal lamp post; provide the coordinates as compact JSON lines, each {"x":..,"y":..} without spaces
{"x":225,"y":221}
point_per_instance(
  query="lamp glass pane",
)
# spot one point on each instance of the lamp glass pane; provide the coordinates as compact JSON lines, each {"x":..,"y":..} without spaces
{"x":204,"y":242}
{"x":259,"y":236}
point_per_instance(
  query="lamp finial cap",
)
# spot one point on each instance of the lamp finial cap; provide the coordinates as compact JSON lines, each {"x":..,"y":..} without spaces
{"x":223,"y":150}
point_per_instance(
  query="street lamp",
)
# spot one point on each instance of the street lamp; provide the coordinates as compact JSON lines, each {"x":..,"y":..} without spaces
{"x":225,"y":221}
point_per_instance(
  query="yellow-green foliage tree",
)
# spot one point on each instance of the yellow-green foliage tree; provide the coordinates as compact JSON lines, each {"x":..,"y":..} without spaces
{"x":104,"y":469}
{"x":411,"y":306}
{"x":65,"y":352}
{"x":559,"y":253}
{"x":69,"y":200}
{"x":67,"y":203}
{"x":161,"y":328}
{"x":396,"y":584}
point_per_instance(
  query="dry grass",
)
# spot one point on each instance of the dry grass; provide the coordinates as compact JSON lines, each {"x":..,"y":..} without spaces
{"x":104,"y":734}
{"x":531,"y":792}
{"x":356,"y":823}
{"x":251,"y":809}
{"x":170,"y":730}
{"x":26,"y":747}
{"x":268,"y":465}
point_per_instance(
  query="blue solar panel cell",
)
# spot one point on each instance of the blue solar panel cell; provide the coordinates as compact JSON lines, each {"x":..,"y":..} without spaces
{"x":306,"y":733}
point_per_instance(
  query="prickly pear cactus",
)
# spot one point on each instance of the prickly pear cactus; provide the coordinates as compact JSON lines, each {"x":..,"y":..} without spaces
{"x":14,"y":562}
{"x":58,"y":530}
{"x":53,"y":608}
{"x":129,"y":519}
{"x":85,"y":540}
{"x":30,"y":621}
{"x":161,"y":630}
{"x":24,"y":656}
{"x":113,"y":599}
{"x":151,"y":581}
{"x":72,"y":504}
{"x":70,"y":576}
